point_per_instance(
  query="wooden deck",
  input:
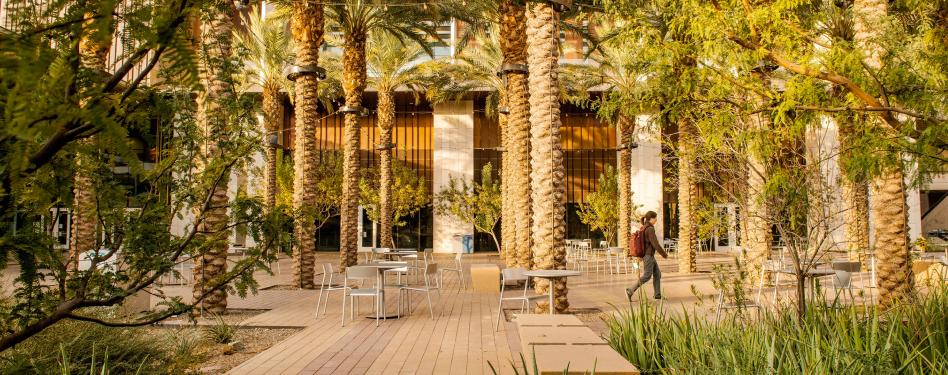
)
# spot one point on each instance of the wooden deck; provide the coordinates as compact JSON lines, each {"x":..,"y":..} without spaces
{"x":460,"y":339}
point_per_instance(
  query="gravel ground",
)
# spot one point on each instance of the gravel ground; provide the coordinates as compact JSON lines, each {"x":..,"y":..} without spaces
{"x":206,"y":357}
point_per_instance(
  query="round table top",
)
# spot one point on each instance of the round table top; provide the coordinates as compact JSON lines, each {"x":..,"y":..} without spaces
{"x":552,"y":273}
{"x":384,"y":264}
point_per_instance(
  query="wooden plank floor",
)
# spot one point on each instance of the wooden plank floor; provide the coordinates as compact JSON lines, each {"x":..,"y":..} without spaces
{"x":459,"y":338}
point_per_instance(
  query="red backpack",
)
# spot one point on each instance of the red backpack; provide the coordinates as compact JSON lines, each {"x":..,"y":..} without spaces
{"x":637,"y":243}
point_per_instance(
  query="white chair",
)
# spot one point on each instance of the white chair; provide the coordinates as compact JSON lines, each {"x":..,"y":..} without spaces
{"x":361,"y":274}
{"x":733,"y":299}
{"x":430,"y":271}
{"x":514,"y":275}
{"x":327,"y":285}
{"x":618,"y":260}
{"x":457,"y":268}
{"x":843,"y":279}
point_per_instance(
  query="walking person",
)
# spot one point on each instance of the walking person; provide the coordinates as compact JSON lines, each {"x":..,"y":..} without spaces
{"x":650,"y":245}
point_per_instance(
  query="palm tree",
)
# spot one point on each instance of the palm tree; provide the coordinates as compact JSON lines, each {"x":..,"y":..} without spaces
{"x":616,"y":72}
{"x":854,"y":192}
{"x":477,"y":69}
{"x":93,"y":50}
{"x":392,"y":65}
{"x":889,"y":212}
{"x":757,"y":231}
{"x":307,"y":29}
{"x":265,"y":41}
{"x":687,"y":196}
{"x":518,"y":140}
{"x":216,"y":40}
{"x":548,"y":176}
{"x":355,"y":20}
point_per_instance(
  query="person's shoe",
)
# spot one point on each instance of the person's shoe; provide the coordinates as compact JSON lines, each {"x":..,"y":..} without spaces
{"x":659,"y":297}
{"x":628,"y":293}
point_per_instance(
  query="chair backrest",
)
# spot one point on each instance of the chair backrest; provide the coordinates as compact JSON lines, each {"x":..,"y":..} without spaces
{"x":381,"y":250}
{"x":361,"y":273}
{"x":327,"y":268}
{"x":457,"y":257}
{"x":513,"y":274}
{"x":603,"y":244}
{"x":847,"y":266}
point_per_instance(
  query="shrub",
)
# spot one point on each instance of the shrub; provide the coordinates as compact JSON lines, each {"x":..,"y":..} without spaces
{"x":908,"y":340}
{"x":71,"y":347}
{"x":220,"y":332}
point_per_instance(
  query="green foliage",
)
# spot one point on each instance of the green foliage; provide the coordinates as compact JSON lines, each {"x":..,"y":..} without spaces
{"x":53,"y":111}
{"x":221,"y":332}
{"x":477,"y":204}
{"x":70,"y":347}
{"x":328,"y":188}
{"x":409,"y":193}
{"x":909,"y":340}
{"x":601,"y":209}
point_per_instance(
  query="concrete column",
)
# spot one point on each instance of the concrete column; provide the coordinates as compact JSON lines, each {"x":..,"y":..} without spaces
{"x":646,"y":172}
{"x":453,"y":156}
{"x":822,"y":143}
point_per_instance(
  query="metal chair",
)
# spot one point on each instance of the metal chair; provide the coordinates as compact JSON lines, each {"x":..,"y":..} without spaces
{"x":737,"y":301}
{"x":843,"y":279}
{"x":430,"y":271}
{"x":617,"y":260}
{"x":514,"y":275}
{"x":361,"y":274}
{"x":457,"y":268}
{"x":326,"y":286}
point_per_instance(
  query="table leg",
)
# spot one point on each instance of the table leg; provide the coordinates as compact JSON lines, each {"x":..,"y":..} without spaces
{"x":552,"y":312}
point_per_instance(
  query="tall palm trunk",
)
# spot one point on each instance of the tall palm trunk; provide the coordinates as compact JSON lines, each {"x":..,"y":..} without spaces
{"x":513,"y":44}
{"x":354,"y":77}
{"x":626,"y":127}
{"x":687,"y":198}
{"x":386,"y":120}
{"x":758,"y":234}
{"x":93,"y":51}
{"x":548,"y":177}
{"x":307,"y":32}
{"x":212,"y":118}
{"x":508,"y":225}
{"x":855,"y":195}
{"x":272,"y":116}
{"x":889,"y":209}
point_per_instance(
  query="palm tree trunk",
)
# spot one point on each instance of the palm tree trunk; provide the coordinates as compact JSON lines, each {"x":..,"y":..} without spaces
{"x":626,"y":127}
{"x":212,"y":118}
{"x":386,"y":119}
{"x":307,"y":32}
{"x":895,"y":280}
{"x":93,"y":51}
{"x":272,"y":116}
{"x":758,"y":236}
{"x":513,"y":44}
{"x":855,"y":195}
{"x":508,"y":224}
{"x":687,"y":198}
{"x":548,"y":176}
{"x":354,"y":77}
{"x":889,"y":211}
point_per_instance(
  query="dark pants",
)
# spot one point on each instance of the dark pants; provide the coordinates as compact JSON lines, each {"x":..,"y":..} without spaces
{"x":650,"y":269}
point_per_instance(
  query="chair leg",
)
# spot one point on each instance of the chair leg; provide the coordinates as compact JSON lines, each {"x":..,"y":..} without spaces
{"x":500,"y":310}
{"x":430,"y":309}
{"x":343,"y":308}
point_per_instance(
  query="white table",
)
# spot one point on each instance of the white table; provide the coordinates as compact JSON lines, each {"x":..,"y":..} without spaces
{"x":551,"y":275}
{"x":381,"y":267}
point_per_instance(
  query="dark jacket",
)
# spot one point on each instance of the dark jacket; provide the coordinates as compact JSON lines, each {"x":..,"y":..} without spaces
{"x":651,"y":242}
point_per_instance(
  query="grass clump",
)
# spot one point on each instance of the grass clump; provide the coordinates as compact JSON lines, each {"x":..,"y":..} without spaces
{"x":910,"y":339}
{"x":72,"y":347}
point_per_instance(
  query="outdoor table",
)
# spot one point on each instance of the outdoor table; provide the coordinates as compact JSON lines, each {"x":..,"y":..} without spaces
{"x":550,"y":275}
{"x":381,"y":267}
{"x":812,"y":274}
